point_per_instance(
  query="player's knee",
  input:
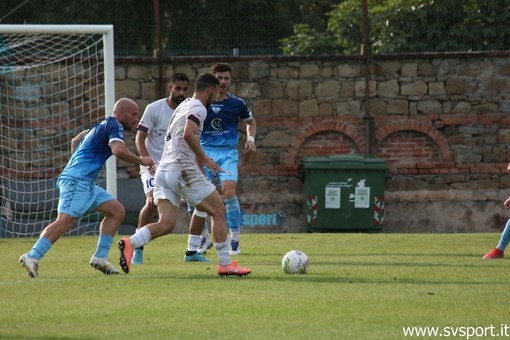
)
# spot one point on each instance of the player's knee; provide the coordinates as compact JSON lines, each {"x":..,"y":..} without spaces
{"x":65,"y":221}
{"x":115,"y":210}
{"x":119,"y":213}
{"x":228,"y":193}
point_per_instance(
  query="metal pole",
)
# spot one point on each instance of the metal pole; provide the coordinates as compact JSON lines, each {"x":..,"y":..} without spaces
{"x":159,"y":49}
{"x":366,"y":52}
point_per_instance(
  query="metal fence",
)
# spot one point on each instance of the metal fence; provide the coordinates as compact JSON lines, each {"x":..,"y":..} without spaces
{"x":191,"y":38}
{"x":254,"y":36}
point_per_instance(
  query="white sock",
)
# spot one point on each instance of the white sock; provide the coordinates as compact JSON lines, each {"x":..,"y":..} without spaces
{"x":234,"y":235}
{"x":205,"y":234}
{"x":141,"y":237}
{"x":193,"y":242}
{"x":223,"y":253}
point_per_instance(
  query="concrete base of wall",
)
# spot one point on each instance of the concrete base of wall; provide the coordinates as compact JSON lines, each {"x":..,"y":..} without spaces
{"x":405,"y":212}
{"x":446,"y":211}
{"x":449,"y":211}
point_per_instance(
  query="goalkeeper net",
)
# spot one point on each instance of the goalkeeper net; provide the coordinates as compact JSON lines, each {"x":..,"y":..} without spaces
{"x":55,"y":81}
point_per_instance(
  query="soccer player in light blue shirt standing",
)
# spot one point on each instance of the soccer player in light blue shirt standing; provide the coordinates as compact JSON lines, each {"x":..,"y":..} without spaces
{"x":79,"y":192}
{"x":219,"y":140}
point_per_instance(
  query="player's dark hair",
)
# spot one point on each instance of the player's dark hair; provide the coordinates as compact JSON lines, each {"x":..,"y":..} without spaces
{"x":204,"y":81}
{"x":221,"y":67}
{"x":178,"y":77}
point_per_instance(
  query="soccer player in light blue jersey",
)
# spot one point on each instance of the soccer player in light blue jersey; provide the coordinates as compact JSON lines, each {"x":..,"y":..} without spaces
{"x":79,"y":193}
{"x":219,"y":140}
{"x":499,"y":251}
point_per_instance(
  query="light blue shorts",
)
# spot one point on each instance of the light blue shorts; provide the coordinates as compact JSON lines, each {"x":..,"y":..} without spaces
{"x":77,"y":197}
{"x":227,"y":159}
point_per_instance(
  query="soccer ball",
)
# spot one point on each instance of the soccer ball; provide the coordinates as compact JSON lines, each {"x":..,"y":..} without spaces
{"x":295,"y":262}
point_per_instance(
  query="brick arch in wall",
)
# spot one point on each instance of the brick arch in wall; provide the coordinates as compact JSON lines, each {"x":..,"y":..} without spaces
{"x":324,"y":138}
{"x":407,"y":143}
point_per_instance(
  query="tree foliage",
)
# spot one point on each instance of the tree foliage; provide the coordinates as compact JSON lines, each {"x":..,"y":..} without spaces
{"x":187,"y":27}
{"x":220,"y":25}
{"x":409,"y":26}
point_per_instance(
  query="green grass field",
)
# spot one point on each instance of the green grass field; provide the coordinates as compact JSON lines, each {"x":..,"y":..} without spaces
{"x":359,"y":286}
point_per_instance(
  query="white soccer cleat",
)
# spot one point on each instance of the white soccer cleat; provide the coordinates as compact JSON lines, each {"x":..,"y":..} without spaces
{"x":204,"y":246}
{"x":30,"y":264}
{"x":102,"y":264}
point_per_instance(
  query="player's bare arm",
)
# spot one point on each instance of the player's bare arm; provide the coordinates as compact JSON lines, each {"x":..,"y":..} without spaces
{"x":251,"y":130}
{"x":140,"y":138}
{"x":76,"y":140}
{"x":122,"y":152}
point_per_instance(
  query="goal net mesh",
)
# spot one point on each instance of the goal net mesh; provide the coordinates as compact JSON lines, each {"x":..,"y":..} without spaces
{"x":51,"y":88}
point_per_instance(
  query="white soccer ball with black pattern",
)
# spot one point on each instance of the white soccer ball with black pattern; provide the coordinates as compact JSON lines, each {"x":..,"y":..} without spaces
{"x":295,"y":262}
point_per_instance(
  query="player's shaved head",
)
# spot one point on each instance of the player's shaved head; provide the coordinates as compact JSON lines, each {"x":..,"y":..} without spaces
{"x":126,"y":112}
{"x":124,"y":104}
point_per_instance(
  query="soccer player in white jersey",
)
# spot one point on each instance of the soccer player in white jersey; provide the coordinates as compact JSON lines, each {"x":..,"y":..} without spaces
{"x":178,"y":176}
{"x":79,"y":192}
{"x":219,"y":141}
{"x":150,"y":139}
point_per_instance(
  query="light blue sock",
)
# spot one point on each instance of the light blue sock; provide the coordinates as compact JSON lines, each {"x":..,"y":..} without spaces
{"x":40,"y":248}
{"x":104,"y":244}
{"x":505,"y":237}
{"x":233,"y":215}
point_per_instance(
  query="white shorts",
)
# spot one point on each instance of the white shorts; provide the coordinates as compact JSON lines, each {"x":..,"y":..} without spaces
{"x":147,"y":180}
{"x":191,"y":185}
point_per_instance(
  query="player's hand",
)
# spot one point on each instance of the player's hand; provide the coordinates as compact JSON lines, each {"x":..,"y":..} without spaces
{"x":212,"y":166}
{"x":507,"y":203}
{"x":250,"y":146}
{"x":147,"y":161}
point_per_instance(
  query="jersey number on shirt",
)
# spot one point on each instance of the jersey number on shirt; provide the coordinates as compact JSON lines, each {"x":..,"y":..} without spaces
{"x":150,"y":183}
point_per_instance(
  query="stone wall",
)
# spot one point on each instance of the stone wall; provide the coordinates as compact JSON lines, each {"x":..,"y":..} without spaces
{"x":441,"y":122}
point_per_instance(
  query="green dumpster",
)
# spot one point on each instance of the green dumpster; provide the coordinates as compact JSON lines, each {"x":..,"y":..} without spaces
{"x":344,"y":193}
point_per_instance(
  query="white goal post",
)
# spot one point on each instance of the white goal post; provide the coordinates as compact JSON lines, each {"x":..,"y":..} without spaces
{"x":55,"y":81}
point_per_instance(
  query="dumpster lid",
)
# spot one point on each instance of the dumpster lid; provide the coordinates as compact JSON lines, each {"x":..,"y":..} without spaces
{"x":344,"y":161}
